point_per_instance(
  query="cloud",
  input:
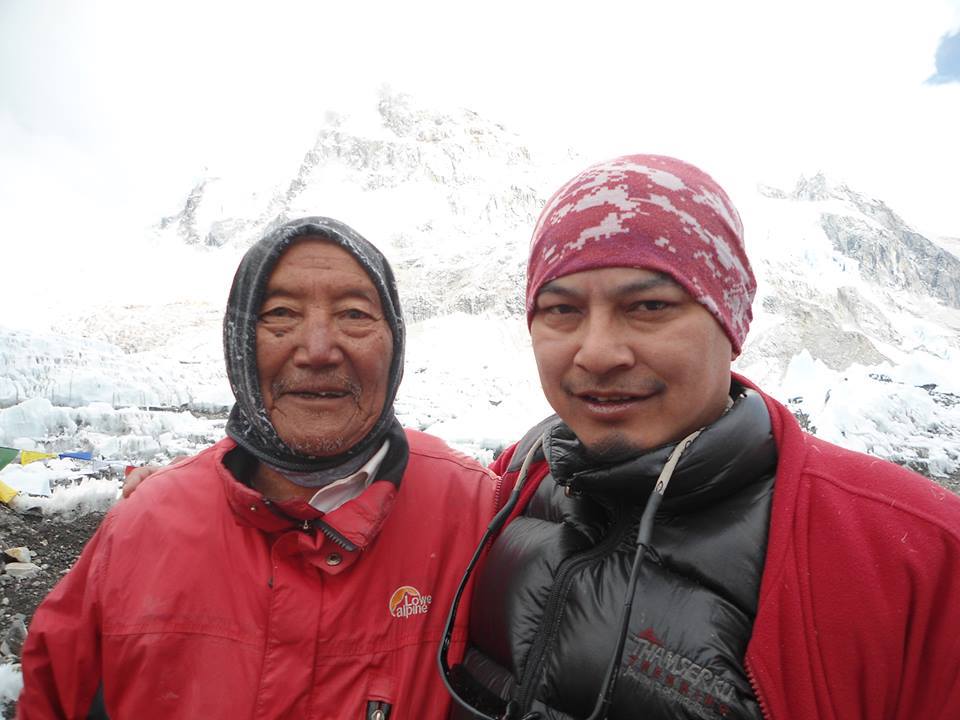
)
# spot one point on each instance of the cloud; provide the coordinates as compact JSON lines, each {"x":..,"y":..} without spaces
{"x":948,"y":60}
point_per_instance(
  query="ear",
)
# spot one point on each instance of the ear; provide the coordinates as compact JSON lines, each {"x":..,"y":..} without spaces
{"x":734,"y":355}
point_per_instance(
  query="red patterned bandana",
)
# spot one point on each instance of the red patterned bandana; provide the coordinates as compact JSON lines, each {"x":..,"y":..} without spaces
{"x":651,"y":212}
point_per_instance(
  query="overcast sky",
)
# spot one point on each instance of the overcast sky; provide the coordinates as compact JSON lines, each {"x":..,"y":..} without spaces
{"x":120,"y":104}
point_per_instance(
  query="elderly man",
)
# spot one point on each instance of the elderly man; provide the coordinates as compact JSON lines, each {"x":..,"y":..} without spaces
{"x":677,"y":546}
{"x":302,"y":566}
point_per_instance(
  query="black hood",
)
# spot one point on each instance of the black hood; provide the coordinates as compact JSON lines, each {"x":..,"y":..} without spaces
{"x":249,"y":422}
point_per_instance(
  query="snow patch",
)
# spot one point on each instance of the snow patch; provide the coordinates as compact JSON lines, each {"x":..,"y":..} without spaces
{"x":11,"y":682}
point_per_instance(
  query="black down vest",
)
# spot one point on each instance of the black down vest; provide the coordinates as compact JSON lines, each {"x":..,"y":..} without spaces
{"x":548,"y":599}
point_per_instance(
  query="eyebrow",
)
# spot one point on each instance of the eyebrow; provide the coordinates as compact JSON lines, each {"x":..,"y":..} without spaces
{"x":658,"y":280}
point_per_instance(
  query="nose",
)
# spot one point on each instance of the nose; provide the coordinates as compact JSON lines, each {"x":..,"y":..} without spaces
{"x":603,"y":346}
{"x":318,"y":342}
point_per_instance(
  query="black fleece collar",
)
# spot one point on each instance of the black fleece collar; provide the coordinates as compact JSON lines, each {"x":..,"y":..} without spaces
{"x":732,"y":452}
{"x":243,"y":466}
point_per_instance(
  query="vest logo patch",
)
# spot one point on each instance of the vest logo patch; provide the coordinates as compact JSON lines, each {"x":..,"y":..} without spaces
{"x":407,"y":602}
{"x":695,"y":686}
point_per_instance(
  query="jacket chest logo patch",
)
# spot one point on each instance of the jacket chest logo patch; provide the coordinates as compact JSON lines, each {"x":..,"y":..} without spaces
{"x":696,"y":687}
{"x":407,"y":602}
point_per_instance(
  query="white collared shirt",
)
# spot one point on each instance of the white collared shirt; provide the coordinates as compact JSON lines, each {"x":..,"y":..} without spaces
{"x":332,"y":496}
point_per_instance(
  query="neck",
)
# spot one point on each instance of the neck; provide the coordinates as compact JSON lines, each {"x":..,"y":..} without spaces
{"x":274,"y":486}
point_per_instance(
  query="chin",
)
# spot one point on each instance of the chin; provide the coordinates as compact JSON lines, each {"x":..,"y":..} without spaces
{"x":614,"y":448}
{"x":316,"y":447}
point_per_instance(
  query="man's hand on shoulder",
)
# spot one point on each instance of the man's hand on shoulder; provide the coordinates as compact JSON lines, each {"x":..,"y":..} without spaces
{"x":139,"y":474}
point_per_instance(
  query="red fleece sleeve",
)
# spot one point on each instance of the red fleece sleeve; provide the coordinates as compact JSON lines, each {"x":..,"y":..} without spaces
{"x":61,"y":655}
{"x":500,"y":465}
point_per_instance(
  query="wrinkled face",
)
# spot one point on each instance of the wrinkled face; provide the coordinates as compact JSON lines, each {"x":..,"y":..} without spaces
{"x":323,"y":349}
{"x":628,"y":359}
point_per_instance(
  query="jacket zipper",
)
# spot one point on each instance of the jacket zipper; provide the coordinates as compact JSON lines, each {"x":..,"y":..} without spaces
{"x":333,"y":535}
{"x":756,"y":690}
{"x":498,"y":495}
{"x":555,"y":602}
{"x":377,"y":710}
{"x":314,"y":524}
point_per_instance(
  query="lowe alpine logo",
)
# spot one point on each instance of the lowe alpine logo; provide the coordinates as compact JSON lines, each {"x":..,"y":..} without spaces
{"x":407,"y":602}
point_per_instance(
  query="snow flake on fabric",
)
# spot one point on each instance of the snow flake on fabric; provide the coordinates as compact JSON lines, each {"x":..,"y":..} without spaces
{"x":664,"y":243}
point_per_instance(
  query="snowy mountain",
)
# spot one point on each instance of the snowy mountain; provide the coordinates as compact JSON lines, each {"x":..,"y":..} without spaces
{"x":428,"y":186}
{"x":857,"y":319}
{"x":858,"y":323}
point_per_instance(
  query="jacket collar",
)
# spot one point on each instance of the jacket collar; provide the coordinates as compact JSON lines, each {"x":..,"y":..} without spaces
{"x":348,"y":530}
{"x":734,"y":451}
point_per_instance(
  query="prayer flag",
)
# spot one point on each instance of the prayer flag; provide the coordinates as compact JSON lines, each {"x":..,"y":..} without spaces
{"x":7,"y":456}
{"x":7,"y":493}
{"x":29,"y":456}
{"x":86,"y":455}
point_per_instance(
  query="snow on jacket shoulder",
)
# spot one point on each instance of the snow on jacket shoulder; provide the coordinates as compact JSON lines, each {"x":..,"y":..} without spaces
{"x":193,"y":599}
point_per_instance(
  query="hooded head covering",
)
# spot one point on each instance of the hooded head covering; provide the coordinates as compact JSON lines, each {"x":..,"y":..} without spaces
{"x":652,"y":212}
{"x":249,"y":424}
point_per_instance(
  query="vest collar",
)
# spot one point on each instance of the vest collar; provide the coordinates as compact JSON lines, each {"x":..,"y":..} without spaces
{"x":730,"y":453}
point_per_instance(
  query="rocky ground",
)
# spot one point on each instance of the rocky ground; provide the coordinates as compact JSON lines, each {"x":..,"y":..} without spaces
{"x":53,"y":547}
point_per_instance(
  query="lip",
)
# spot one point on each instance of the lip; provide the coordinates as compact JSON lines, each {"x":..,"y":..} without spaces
{"x":610,"y":405}
{"x":314,"y":394}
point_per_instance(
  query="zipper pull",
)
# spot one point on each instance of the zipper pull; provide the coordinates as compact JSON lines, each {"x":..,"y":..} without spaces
{"x":378,"y":710}
{"x":306,"y":525}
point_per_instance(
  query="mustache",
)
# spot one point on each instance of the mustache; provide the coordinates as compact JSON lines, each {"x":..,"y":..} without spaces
{"x":618,"y":386}
{"x":301,"y":382}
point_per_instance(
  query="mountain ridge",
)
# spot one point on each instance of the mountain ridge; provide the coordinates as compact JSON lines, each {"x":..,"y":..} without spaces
{"x":848,"y":293}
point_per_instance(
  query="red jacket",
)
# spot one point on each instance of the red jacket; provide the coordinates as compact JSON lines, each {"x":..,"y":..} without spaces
{"x":859,"y":613}
{"x":859,"y":608}
{"x":194,"y":600}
